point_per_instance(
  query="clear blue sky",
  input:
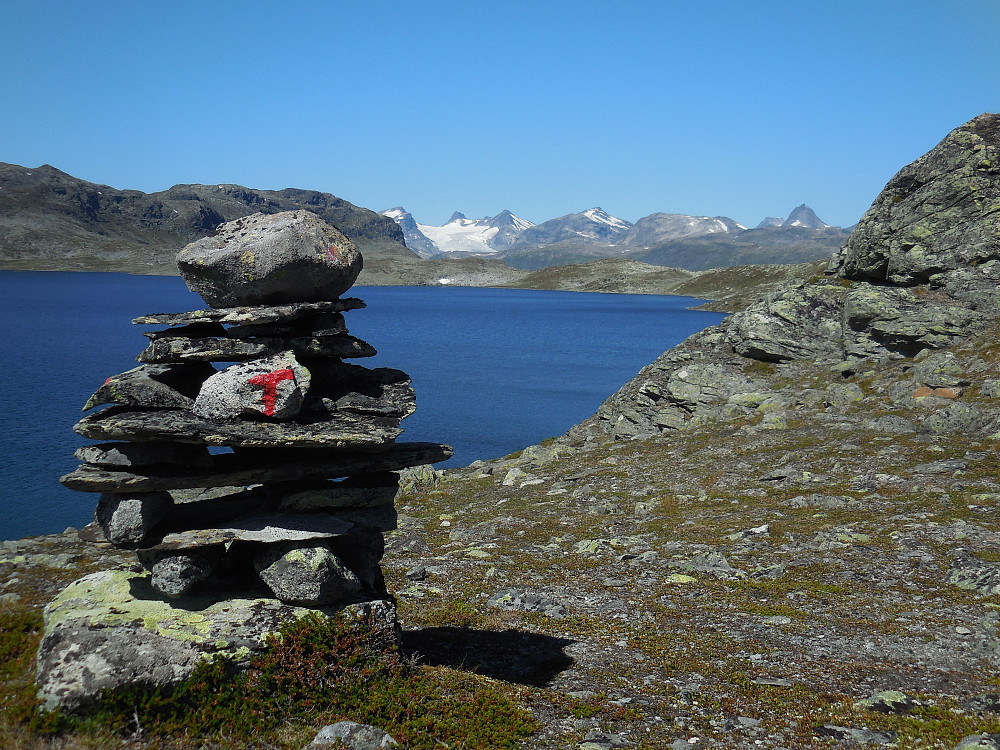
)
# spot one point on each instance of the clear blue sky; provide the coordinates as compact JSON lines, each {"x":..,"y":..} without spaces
{"x":736,"y":108}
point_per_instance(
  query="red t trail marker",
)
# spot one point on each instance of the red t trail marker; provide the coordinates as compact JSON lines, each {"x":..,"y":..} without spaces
{"x":270,"y":382}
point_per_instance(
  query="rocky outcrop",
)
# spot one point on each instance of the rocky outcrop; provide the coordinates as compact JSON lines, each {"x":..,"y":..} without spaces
{"x":939,"y":214}
{"x":918,"y":274}
{"x":289,"y":514}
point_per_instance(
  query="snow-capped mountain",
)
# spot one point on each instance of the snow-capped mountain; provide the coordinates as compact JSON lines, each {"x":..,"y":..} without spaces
{"x":656,"y":228}
{"x":414,"y":238}
{"x":594,"y":233}
{"x":770,"y":221}
{"x":460,"y":236}
{"x":594,"y":226}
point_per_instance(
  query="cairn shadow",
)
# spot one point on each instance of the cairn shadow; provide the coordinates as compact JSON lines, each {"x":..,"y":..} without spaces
{"x":509,"y":655}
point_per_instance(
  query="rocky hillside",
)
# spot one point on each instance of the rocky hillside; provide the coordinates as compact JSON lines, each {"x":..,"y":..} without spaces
{"x":781,"y":534}
{"x":50,"y":220}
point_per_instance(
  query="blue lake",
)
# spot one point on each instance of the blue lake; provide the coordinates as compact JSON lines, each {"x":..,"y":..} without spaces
{"x":494,"y":369}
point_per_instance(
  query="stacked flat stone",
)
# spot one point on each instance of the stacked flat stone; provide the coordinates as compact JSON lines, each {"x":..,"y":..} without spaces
{"x":304,"y":493}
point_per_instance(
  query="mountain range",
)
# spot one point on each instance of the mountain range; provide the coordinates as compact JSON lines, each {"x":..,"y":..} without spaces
{"x":50,"y":220}
{"x":678,"y":240}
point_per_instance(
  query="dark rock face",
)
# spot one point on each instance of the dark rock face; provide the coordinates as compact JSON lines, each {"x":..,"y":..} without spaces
{"x":256,"y":260}
{"x":293,"y":514}
{"x":938,"y":214}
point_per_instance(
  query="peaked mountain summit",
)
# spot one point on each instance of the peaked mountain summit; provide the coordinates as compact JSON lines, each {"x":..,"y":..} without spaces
{"x":803,"y":216}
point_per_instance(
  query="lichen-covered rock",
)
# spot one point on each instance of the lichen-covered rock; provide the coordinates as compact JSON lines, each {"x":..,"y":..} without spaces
{"x":799,"y":321}
{"x":972,"y":574}
{"x":109,"y":629}
{"x":939,"y":370}
{"x":305,"y":574}
{"x":889,"y":702}
{"x":353,"y":736}
{"x":127,"y":518}
{"x":272,"y":387}
{"x":261,"y":259}
{"x":937,"y":214}
{"x":883,"y":320}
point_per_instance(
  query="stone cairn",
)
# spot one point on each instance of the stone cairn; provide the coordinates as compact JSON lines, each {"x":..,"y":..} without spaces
{"x":300,"y":488}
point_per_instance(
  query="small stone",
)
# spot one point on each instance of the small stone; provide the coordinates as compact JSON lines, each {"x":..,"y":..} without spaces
{"x":273,"y":387}
{"x":293,"y":256}
{"x":979,"y":742}
{"x":127,"y":518}
{"x":353,"y":736}
{"x":174,"y":575}
{"x":849,"y":734}
{"x":417,"y":574}
{"x":307,"y":575}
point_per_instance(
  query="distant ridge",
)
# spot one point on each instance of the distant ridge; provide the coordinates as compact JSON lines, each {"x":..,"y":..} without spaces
{"x":48,"y":215}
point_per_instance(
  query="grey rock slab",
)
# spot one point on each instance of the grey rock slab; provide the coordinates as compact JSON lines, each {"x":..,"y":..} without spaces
{"x":527,"y":601}
{"x":338,"y":430}
{"x":272,"y":386}
{"x":109,"y":629}
{"x":979,"y":742}
{"x":850,"y":734}
{"x":123,"y":455}
{"x":360,"y":492}
{"x":128,"y":518}
{"x":293,"y":256}
{"x":799,"y":321}
{"x":280,"y":527}
{"x":238,"y":470}
{"x":176,"y":350}
{"x":207,"y":329}
{"x":698,"y":384}
{"x":353,"y":735}
{"x":153,"y":386}
{"x":337,"y":386}
{"x":306,"y":574}
{"x":252,"y":315}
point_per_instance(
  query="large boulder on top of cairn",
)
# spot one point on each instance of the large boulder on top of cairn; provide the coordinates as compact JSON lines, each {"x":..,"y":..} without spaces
{"x":261,"y":259}
{"x":289,"y":518}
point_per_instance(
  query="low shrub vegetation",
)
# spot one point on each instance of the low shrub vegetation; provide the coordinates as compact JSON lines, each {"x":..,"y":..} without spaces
{"x":314,"y":672}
